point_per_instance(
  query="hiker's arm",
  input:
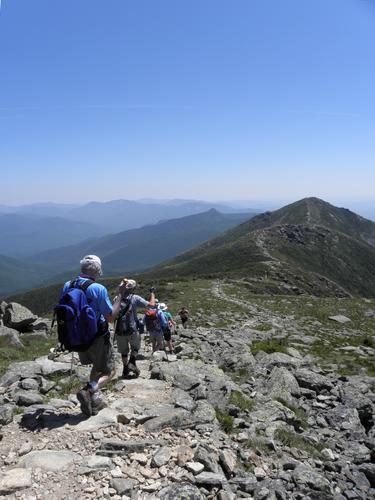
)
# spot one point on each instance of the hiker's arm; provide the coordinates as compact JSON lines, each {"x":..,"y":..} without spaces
{"x":116,"y":306}
{"x":151,"y":302}
{"x":115,"y":310}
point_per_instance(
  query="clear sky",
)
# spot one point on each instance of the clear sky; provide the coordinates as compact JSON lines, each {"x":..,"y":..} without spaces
{"x":209,"y":99}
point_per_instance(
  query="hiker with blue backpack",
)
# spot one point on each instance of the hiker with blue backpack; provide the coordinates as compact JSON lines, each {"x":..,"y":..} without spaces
{"x":82,"y":317}
{"x":127,"y":329}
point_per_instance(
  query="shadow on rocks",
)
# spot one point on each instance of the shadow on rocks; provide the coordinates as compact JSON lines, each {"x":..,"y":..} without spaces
{"x":42,"y":419}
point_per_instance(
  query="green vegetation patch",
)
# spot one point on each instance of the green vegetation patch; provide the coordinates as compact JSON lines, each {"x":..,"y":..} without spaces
{"x":299,"y":412}
{"x":240,"y":400}
{"x":225,"y":420}
{"x":294,"y":440}
{"x":269,"y":346}
{"x":34,"y":346}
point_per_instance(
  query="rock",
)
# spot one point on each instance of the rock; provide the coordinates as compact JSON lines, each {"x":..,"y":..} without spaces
{"x":159,"y":356}
{"x":280,"y":359}
{"x":184,"y":454}
{"x":18,"y":317}
{"x":9,"y":337}
{"x":141,"y":458}
{"x":29,"y":384}
{"x":294,"y":352}
{"x":61,"y":403}
{"x":194,"y":467}
{"x":161,"y":457}
{"x":311,"y":380}
{"x":182,"y":491}
{"x":125,"y":416}
{"x":27,"y":398}
{"x":6,"y":413}
{"x":49,"y":367}
{"x":228,"y":461}
{"x":155,"y":411}
{"x":46,"y":385}
{"x":307,"y":476}
{"x":328,"y":454}
{"x":48,"y":460}
{"x":41,"y":324}
{"x":185,"y":382}
{"x":210,"y":479}
{"x":204,"y":413}
{"x":208,"y":457}
{"x":339,"y":318}
{"x":123,"y":486}
{"x":176,"y":419}
{"x":247,"y":483}
{"x":95,"y":463}
{"x":129,"y":446}
{"x":369,"y":471}
{"x":105,"y":418}
{"x":15,"y":479}
{"x":25,"y":448}
{"x":282,"y":384}
{"x":182,"y":399}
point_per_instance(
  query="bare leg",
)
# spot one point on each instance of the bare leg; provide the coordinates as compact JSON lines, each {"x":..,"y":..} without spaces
{"x":100,"y":378}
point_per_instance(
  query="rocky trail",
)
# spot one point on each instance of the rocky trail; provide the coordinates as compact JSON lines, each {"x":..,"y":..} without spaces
{"x":212,"y":421}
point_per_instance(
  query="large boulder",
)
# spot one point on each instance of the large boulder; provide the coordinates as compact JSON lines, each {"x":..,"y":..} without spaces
{"x":15,"y":479}
{"x":9,"y":337}
{"x":282,"y":384}
{"x":41,"y":325}
{"x":48,"y":460}
{"x":311,"y":380}
{"x":18,"y":317}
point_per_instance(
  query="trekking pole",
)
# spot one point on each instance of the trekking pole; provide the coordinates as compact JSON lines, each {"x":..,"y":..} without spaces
{"x":71,"y":366}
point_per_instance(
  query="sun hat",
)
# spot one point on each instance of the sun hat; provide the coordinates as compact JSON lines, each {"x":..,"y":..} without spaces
{"x":92,"y":265}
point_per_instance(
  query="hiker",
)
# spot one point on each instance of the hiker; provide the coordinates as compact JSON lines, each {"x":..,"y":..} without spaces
{"x":99,"y":353}
{"x":171,"y":326}
{"x":127,"y":332}
{"x":184,"y":316}
{"x":156,"y":323}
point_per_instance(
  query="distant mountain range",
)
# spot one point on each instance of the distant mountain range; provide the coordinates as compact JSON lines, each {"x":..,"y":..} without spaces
{"x":131,"y":250}
{"x":26,"y":234}
{"x":119,"y":215}
{"x":309,"y":246}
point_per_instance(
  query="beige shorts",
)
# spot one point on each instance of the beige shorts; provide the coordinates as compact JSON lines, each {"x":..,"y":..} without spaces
{"x":126,"y":343}
{"x":100,"y":355}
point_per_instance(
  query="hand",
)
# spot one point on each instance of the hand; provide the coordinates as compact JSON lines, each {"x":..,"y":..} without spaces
{"x":152,"y":289}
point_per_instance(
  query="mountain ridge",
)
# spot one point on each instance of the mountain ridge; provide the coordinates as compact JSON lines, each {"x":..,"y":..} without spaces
{"x":308,"y":236}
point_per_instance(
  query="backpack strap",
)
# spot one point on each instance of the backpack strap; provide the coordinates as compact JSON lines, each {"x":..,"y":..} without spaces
{"x":128,"y":303}
{"x":85,"y":285}
{"x":74,"y":284}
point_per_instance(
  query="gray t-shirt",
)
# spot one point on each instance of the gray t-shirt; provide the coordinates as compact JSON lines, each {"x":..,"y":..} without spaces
{"x":136,"y":301}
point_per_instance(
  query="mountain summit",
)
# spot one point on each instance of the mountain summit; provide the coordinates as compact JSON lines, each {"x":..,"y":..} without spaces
{"x":308,"y":246}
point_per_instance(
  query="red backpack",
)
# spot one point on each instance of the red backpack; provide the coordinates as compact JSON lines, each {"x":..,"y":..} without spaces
{"x":152,"y":322}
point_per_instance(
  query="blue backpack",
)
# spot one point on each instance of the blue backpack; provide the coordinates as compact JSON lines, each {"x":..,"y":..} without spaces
{"x":77,"y":326}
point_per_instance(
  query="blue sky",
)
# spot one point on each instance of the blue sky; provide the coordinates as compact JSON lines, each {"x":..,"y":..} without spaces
{"x":209,"y":99}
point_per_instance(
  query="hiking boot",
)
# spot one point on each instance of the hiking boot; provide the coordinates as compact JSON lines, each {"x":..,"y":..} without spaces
{"x":97,"y":404}
{"x":125,"y":371}
{"x":133,"y":368}
{"x":84,"y":398}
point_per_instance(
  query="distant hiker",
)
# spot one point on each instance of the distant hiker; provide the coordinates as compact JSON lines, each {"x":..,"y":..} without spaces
{"x":170,"y":328}
{"x":127,"y":327}
{"x":99,"y":352}
{"x":156,"y":323}
{"x":184,"y":316}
